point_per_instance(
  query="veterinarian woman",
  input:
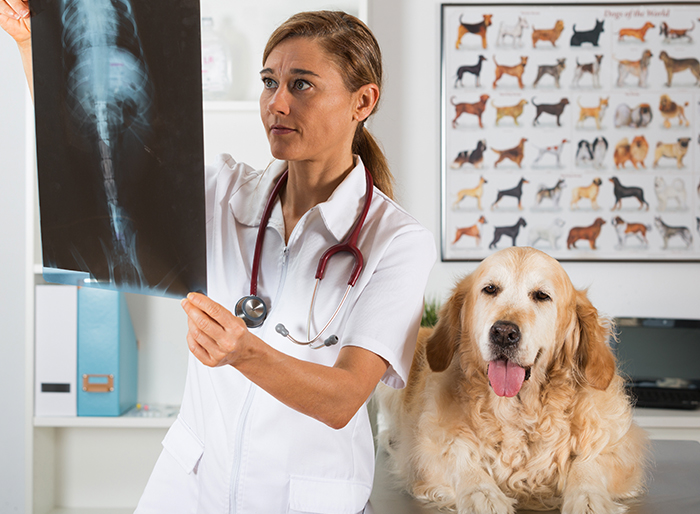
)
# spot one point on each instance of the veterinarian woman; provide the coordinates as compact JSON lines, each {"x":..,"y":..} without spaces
{"x":267,"y":425}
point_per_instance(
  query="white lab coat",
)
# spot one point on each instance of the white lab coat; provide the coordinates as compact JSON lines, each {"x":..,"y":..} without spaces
{"x":236,"y":449}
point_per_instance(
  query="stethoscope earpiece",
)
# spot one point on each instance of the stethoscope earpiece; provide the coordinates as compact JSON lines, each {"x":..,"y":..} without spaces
{"x":252,"y":310}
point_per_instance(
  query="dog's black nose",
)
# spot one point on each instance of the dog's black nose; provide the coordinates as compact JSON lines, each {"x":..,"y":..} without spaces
{"x":504,"y":334}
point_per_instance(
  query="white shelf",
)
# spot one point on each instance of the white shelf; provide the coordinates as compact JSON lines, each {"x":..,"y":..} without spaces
{"x":667,"y":418}
{"x":105,"y":422}
{"x":90,"y":510}
{"x":231,"y":106}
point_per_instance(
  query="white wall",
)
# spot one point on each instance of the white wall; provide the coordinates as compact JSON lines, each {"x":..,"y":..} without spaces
{"x":12,"y":264}
{"x":408,"y":125}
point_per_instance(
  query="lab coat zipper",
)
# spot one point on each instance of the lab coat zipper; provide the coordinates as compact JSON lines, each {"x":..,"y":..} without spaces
{"x":238,"y":448}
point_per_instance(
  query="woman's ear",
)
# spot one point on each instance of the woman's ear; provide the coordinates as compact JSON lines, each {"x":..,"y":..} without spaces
{"x":595,"y":358}
{"x":443,"y":342}
{"x":366,"y":100}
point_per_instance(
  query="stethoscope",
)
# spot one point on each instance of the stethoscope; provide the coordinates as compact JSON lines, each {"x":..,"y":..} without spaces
{"x":253,"y":310}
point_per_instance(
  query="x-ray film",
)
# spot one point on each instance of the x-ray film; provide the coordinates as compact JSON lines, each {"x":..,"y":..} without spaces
{"x":118,"y":102}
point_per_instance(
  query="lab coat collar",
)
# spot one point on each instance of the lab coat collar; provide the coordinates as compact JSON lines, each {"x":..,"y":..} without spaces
{"x":338,"y":213}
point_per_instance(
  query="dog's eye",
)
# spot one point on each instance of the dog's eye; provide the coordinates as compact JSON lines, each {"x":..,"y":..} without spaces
{"x":490,"y":290}
{"x":540,"y":296}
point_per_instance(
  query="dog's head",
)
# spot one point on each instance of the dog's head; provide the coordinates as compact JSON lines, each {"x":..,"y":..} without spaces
{"x":518,"y":317}
{"x":559,"y":26}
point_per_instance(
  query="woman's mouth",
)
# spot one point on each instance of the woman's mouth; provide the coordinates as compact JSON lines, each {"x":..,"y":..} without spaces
{"x":280,"y":130}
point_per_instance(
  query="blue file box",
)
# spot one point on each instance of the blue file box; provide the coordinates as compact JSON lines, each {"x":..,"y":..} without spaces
{"x":107,"y":354}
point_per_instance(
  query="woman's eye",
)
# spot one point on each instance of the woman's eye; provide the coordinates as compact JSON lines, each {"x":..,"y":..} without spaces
{"x":491,"y":290}
{"x":540,"y":296}
{"x":301,"y":85}
{"x":268,"y":83}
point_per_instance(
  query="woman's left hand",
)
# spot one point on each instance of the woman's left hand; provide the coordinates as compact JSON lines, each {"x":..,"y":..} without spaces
{"x":215,"y":335}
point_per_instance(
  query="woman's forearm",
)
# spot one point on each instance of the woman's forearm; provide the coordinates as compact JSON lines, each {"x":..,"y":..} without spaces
{"x":25,"y":51}
{"x":332,"y":395}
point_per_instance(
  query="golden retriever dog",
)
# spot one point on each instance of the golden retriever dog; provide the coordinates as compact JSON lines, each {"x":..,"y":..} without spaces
{"x":591,"y":192}
{"x":513,"y":400}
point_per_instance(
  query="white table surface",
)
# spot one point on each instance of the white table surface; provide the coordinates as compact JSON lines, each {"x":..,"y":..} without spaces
{"x":674,"y":487}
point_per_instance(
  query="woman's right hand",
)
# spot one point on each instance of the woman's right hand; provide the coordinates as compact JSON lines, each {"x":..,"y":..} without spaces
{"x":14,"y":19}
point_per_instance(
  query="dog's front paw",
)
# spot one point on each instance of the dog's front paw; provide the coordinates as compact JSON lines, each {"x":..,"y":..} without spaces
{"x":485,"y":500}
{"x":589,"y":502}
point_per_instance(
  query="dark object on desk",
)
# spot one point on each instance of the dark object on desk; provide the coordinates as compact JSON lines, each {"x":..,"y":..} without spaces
{"x":660,"y":357}
{"x":663,"y":397}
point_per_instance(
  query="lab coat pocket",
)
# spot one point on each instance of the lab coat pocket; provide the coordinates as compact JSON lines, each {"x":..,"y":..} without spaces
{"x":311,"y":495}
{"x":184,"y":446}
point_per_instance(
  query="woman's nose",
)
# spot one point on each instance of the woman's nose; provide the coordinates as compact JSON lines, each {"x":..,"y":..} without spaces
{"x":279,"y":102}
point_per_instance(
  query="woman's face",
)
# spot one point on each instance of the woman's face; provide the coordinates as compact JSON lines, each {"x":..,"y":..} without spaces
{"x":308,"y":113}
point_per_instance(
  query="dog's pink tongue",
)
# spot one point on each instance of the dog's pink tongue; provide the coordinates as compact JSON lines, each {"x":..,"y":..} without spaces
{"x":506,"y":377}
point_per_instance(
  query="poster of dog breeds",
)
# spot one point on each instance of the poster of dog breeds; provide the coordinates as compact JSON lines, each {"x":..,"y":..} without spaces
{"x":571,"y":128}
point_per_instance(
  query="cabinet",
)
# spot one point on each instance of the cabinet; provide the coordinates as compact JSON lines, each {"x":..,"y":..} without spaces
{"x":101,"y":465}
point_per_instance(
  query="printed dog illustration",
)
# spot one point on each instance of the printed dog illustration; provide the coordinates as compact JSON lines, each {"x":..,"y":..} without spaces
{"x":678,"y":65}
{"x":553,"y":109}
{"x":476,"y":108}
{"x":551,"y":35}
{"x":670,"y":34}
{"x":593,"y":153}
{"x":472,"y":231}
{"x":670,"y":109}
{"x":596,"y":113}
{"x":668,"y":231}
{"x":515,"y":154}
{"x":590,"y":67}
{"x":639,"y":69}
{"x":589,"y":234}
{"x":511,"y":231}
{"x":635,"y":152}
{"x":622,"y":192}
{"x":638,"y":117}
{"x":626,"y":230}
{"x":675,"y":150}
{"x":550,"y":233}
{"x":515,"y":71}
{"x":587,"y":36}
{"x":590,"y":192}
{"x":475,"y":157}
{"x":555,"y":150}
{"x":516,"y":192}
{"x":474,"y":69}
{"x":514,"y":111}
{"x":674,"y":191}
{"x":478,"y":29}
{"x":550,"y":193}
{"x":475,"y":192}
{"x":513,"y":31}
{"x":554,"y":70}
{"x":639,"y":33}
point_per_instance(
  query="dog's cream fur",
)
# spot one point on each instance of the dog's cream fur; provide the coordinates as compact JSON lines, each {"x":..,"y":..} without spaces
{"x":567,"y":440}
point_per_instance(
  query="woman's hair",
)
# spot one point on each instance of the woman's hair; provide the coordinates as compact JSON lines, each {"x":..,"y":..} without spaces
{"x":353,"y":48}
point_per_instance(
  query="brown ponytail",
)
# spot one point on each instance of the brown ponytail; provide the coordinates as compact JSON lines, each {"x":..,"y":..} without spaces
{"x":373,"y":158}
{"x":354,"y":49}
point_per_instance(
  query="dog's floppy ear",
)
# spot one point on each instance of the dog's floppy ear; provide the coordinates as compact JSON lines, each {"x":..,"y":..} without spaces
{"x":442,"y":343}
{"x":595,"y":358}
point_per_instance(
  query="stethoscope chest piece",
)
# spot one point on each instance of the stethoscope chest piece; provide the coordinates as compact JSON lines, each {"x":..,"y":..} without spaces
{"x":252,"y":310}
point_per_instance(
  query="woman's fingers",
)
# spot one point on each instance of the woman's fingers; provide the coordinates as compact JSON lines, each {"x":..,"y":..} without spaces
{"x":14,"y":19}
{"x":15,"y":8}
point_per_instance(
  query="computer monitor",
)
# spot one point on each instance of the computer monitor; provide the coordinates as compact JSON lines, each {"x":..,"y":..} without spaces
{"x":659,"y":352}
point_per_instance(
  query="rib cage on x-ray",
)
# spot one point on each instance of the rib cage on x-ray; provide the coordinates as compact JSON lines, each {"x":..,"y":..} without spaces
{"x":109,"y":93}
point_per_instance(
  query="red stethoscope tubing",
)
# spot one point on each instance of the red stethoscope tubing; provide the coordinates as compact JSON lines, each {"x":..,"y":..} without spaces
{"x":349,"y":244}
